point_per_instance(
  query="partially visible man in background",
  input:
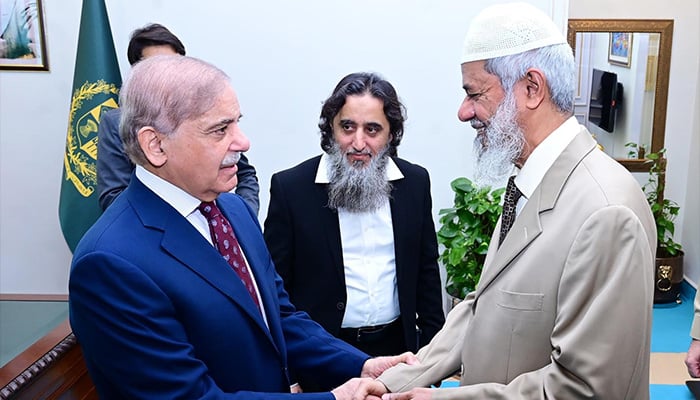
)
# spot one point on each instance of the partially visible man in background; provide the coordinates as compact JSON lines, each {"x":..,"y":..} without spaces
{"x":692,"y":360}
{"x":563,"y":307}
{"x":114,"y":168}
{"x":351,"y":231}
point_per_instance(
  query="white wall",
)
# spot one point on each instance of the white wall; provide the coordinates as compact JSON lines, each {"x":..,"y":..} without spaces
{"x":682,"y":121}
{"x":284,"y":58}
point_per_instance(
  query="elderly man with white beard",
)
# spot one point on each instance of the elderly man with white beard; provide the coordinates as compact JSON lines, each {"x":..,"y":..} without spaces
{"x":563,"y":307}
{"x":351,"y":231}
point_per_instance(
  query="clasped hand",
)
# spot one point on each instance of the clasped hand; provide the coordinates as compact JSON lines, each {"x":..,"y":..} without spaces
{"x":367,"y":388}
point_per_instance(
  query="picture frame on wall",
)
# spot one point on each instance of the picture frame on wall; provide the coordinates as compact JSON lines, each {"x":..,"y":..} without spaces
{"x":620,"y":49}
{"x":23,"y":40}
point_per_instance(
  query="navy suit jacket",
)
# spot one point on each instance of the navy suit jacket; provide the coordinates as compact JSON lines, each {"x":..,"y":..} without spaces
{"x":160,"y":314}
{"x":303,"y":235}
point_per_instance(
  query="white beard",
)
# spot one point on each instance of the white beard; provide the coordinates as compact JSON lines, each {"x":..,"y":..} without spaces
{"x":499,"y":147}
{"x":357,"y":188}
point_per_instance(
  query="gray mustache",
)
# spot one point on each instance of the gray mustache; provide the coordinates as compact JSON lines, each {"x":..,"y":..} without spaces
{"x":231,"y":159}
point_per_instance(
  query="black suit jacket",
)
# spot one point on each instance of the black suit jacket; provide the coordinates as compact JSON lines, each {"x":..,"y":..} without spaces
{"x":303,"y":236}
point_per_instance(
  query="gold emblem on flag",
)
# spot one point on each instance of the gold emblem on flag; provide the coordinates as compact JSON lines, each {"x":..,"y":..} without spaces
{"x":81,"y":142}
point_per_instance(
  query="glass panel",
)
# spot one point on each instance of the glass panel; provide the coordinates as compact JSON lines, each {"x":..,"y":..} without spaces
{"x":24,"y":322}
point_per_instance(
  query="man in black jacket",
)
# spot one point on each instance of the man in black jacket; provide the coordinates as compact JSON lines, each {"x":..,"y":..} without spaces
{"x":351,"y":231}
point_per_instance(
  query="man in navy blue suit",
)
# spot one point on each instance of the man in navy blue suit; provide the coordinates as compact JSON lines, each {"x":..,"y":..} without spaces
{"x":159,"y":313}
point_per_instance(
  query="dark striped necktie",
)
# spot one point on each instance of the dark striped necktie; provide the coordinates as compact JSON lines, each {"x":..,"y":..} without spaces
{"x":510,"y":201}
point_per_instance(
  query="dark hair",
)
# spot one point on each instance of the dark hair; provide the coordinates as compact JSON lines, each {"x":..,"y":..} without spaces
{"x":357,"y":84}
{"x":152,"y":35}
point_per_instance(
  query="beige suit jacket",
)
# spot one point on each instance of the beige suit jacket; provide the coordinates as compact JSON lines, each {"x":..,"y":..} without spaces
{"x":563,"y":308}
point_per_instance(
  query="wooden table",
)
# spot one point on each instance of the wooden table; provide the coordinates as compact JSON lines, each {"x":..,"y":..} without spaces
{"x":51,"y":366}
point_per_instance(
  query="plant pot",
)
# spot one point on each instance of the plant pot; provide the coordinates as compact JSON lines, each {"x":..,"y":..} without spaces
{"x":668,"y":277}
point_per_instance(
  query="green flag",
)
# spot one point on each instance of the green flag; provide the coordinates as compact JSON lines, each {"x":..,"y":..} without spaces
{"x":96,"y":84}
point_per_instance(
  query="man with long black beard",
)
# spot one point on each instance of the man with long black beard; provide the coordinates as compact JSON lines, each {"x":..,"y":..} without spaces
{"x":563,"y":306}
{"x":351,"y":231}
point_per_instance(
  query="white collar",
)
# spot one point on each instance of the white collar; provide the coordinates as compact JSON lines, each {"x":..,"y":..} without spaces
{"x":544,"y":155}
{"x":180,"y":200}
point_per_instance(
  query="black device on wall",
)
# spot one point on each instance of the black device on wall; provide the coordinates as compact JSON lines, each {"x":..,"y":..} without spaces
{"x":606,"y":96}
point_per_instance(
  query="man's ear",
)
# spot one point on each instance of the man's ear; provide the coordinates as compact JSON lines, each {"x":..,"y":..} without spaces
{"x":150,"y":142}
{"x":536,"y":85}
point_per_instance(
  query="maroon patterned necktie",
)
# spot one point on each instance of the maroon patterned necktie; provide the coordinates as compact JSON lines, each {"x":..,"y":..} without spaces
{"x":512,"y":196}
{"x":227,"y":244}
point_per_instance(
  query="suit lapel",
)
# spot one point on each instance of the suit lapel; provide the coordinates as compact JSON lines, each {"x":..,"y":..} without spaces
{"x":527,"y":225}
{"x":331,"y":225}
{"x":254,"y":253}
{"x":183,"y":242}
{"x":328,"y":220}
{"x":255,"y":250}
{"x":401,"y":222}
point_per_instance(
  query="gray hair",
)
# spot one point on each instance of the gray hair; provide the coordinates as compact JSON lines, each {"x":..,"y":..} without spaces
{"x":164,"y":91}
{"x":555,"y":61}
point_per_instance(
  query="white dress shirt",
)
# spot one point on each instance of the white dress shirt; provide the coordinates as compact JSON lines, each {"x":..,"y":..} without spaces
{"x":367,"y":240}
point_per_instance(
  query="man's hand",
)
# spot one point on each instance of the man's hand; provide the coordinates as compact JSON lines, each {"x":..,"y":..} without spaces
{"x":692,"y":360}
{"x":296,"y":388}
{"x":413,"y":394}
{"x":347,"y":390}
{"x":375,"y":366}
{"x":370,"y":390}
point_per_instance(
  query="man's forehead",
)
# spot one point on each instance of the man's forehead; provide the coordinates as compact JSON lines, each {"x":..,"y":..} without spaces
{"x":224,"y":110}
{"x":474,"y":68}
{"x":474,"y":75}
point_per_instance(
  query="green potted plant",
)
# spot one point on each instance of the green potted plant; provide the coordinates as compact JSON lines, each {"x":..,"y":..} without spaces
{"x":635,"y":150}
{"x":465,"y":233}
{"x":669,"y":253}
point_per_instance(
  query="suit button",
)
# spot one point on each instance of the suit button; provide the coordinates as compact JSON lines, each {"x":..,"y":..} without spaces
{"x":340,"y":306}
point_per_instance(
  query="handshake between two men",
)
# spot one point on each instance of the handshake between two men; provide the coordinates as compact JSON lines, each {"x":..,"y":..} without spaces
{"x":367,"y":387}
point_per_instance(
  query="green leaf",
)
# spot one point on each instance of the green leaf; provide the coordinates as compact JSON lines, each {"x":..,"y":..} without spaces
{"x":465,"y":233}
{"x":665,"y":211}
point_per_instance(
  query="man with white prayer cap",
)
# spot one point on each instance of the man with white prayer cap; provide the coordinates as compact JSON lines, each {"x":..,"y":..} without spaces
{"x":563,"y":307}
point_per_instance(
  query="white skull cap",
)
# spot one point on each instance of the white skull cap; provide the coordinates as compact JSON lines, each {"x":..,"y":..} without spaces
{"x":507,"y":29}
